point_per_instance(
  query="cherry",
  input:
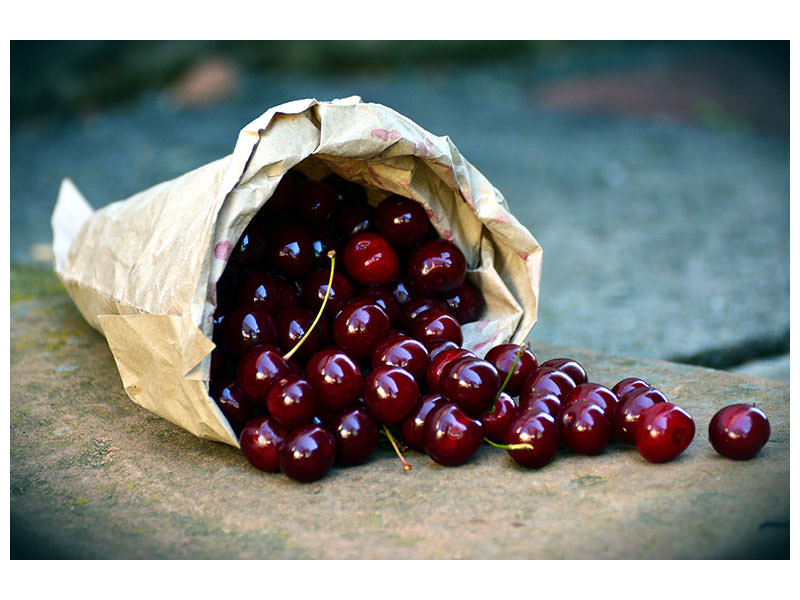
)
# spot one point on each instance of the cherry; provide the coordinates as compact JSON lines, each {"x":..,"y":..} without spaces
{"x":355,"y":218}
{"x":538,"y":430}
{"x":739,"y":431}
{"x":498,"y":417}
{"x":259,"y":369}
{"x":434,"y":326}
{"x":244,"y":328}
{"x":470,"y":383}
{"x":370,"y":260}
{"x":415,"y":308}
{"x":402,"y":221}
{"x":402,"y":291}
{"x":384,"y":298}
{"x":293,"y":323}
{"x":390,"y":393}
{"x":413,"y":426}
{"x":290,"y":251}
{"x":336,"y":379}
{"x":584,"y":427}
{"x":260,"y":441}
{"x":359,"y":326}
{"x":465,"y":303}
{"x":315,"y":285}
{"x":259,"y":290}
{"x":631,"y":406}
{"x":540,"y":401}
{"x":251,"y":248}
{"x":436,"y":266}
{"x":404,"y":352}
{"x":307,"y":453}
{"x":437,"y":365}
{"x":438,"y":347}
{"x":291,"y":402}
{"x":287,"y":293}
{"x":503,"y":357}
{"x":450,"y":436}
{"x":237,"y":408}
{"x":624,"y":386}
{"x":355,"y":432}
{"x":596,"y":393}
{"x":551,"y":380}
{"x":571,"y":367}
{"x":324,"y":238}
{"x":663,"y":432}
{"x":315,"y":201}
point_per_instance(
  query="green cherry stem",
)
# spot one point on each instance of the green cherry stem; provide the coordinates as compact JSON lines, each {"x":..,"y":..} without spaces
{"x":506,"y":380}
{"x":406,"y":466}
{"x":288,"y":355}
{"x":509,"y":446}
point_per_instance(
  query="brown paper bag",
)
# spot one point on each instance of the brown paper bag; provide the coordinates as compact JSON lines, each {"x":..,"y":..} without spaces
{"x":143,"y":271}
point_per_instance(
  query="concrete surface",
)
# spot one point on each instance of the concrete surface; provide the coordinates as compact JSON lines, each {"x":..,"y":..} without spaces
{"x":663,"y":238}
{"x":95,"y":476}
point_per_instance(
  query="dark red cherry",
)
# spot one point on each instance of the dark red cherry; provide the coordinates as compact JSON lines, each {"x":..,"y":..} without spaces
{"x":260,"y":441}
{"x":465,"y":303}
{"x":358,"y":327}
{"x":402,"y":291}
{"x":434,"y":326}
{"x":355,"y":218}
{"x":402,"y":221}
{"x":307,"y":454}
{"x":631,"y":406}
{"x":436,"y":266}
{"x":498,"y":417}
{"x":246,"y":328}
{"x":293,"y":323}
{"x":739,"y":431}
{"x":336,"y":379}
{"x":346,"y":191}
{"x":390,"y":393}
{"x":538,"y":430}
{"x":624,"y":386}
{"x":470,"y":383}
{"x":314,"y":201}
{"x":585,"y":428}
{"x":259,"y":290}
{"x":384,"y":298}
{"x":450,"y":436}
{"x":437,"y":365}
{"x":549,"y":379}
{"x":237,"y":408}
{"x":370,"y":260}
{"x":287,"y":293}
{"x":291,"y":402}
{"x":413,"y":426}
{"x":355,"y":432}
{"x":290,"y":251}
{"x":315,"y":285}
{"x":540,"y":401}
{"x":281,"y":199}
{"x":502,"y":358}
{"x":404,"y":352}
{"x":663,"y":432}
{"x":259,"y":369}
{"x":594,"y":392}
{"x":440,"y":346}
{"x":324,"y":238}
{"x":571,"y":367}
{"x":251,"y":248}
{"x":411,"y":311}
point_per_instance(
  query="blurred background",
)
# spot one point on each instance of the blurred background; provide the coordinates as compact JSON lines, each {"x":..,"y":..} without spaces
{"x":655,"y":175}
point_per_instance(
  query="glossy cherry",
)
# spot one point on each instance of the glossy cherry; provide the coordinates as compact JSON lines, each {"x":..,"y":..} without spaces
{"x":435,"y":326}
{"x":259,"y":290}
{"x":465,"y":303}
{"x":739,"y":431}
{"x":355,"y":218}
{"x":307,"y":453}
{"x":246,"y":328}
{"x":585,"y":428}
{"x":540,"y":401}
{"x":471,"y":383}
{"x":291,"y":402}
{"x":390,"y":393}
{"x":623,"y":386}
{"x":498,"y":417}
{"x":594,"y":392}
{"x":571,"y":367}
{"x":413,"y":426}
{"x":237,"y":408}
{"x":324,"y":238}
{"x":293,"y":323}
{"x":355,"y":432}
{"x":370,"y":260}
{"x":336,"y":379}
{"x":450,"y":436}
{"x":537,"y":429}
{"x":631,"y":405}
{"x":402,"y":291}
{"x":402,"y":221}
{"x":437,"y":348}
{"x":315,"y":286}
{"x":260,"y":441}
{"x":663,"y":432}
{"x":503,"y":357}
{"x":359,"y":326}
{"x":437,"y":365}
{"x":404,"y":352}
{"x":383,"y":297}
{"x":415,"y":308}
{"x":551,"y":380}
{"x":259,"y":369}
{"x":251,"y":247}
{"x":436,"y":266}
{"x":290,"y":252}
{"x":314,"y":201}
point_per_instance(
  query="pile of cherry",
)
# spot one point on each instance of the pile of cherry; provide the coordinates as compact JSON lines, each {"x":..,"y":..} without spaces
{"x":338,"y":322}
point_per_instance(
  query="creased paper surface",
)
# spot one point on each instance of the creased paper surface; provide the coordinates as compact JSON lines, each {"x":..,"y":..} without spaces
{"x":143,"y":270}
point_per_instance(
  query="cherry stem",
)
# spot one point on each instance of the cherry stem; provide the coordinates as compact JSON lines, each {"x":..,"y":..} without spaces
{"x":520,"y":446}
{"x":288,"y":355}
{"x":506,"y":380}
{"x":406,"y":466}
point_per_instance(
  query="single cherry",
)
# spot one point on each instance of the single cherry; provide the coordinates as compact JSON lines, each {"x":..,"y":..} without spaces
{"x":551,"y":380}
{"x":404,"y":352}
{"x":355,"y":432}
{"x":540,"y":401}
{"x":359,"y":326}
{"x":315,"y":286}
{"x":594,"y":392}
{"x":259,"y":290}
{"x":259,"y":369}
{"x":503,"y":357}
{"x":436,"y":266}
{"x":291,"y":402}
{"x":402,"y":221}
{"x":260,"y":441}
{"x":450,"y":436}
{"x":438,"y":347}
{"x":537,"y":430}
{"x":435,"y":326}
{"x":631,"y":405}
{"x":629,"y":383}
{"x":307,"y":453}
{"x":470,"y":383}
{"x":465,"y":303}
{"x":437,"y":365}
{"x":585,"y":428}
{"x":497,"y":418}
{"x":336,"y":379}
{"x":246,"y":328}
{"x":390,"y":393}
{"x":315,"y":201}
{"x":355,"y":218}
{"x":739,"y":431}
{"x":413,"y":426}
{"x":237,"y":408}
{"x":571,"y":367}
{"x":324,"y":238}
{"x":290,"y":251}
{"x":663,"y":432}
{"x":293,"y":323}
{"x":370,"y":260}
{"x":251,"y":248}
{"x":384,"y":298}
{"x":415,"y":308}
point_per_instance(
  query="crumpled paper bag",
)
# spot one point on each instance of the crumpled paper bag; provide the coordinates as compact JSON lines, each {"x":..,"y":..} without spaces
{"x":143,"y":271}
